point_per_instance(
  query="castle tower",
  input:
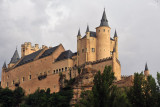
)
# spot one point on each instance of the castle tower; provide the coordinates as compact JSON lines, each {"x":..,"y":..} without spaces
{"x":116,"y":43}
{"x":78,"y":45}
{"x":103,"y":38}
{"x":146,"y":71}
{"x":14,"y":59}
{"x":27,"y":48}
{"x":4,"y":68}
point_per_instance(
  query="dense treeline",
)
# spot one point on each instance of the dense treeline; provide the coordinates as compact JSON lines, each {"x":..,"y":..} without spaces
{"x":144,"y":93}
{"x":40,"y":98}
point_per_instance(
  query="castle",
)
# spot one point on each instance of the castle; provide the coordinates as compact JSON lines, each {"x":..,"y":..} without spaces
{"x":40,"y":67}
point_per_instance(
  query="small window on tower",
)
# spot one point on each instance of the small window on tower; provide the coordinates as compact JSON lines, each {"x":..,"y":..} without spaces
{"x":54,"y":71}
{"x":104,"y":30}
{"x":93,"y":49}
{"x":30,"y":77}
{"x":99,"y":30}
{"x":23,"y":79}
{"x":82,"y":50}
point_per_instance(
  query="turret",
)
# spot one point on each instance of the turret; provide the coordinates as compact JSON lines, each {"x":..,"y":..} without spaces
{"x":14,"y":59}
{"x":4,"y":66}
{"x":87,"y":32}
{"x":103,"y":38}
{"x":146,"y":71}
{"x":79,"y":35}
{"x":116,"y":43}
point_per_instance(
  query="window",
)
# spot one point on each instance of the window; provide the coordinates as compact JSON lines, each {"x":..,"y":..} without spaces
{"x":99,"y":30}
{"x":54,"y":71}
{"x":30,"y":77}
{"x":93,"y":49}
{"x":57,"y":71}
{"x":7,"y":84}
{"x":23,"y":79}
{"x":65,"y":68}
{"x":7,"y":76}
{"x":82,"y":50}
{"x":104,"y":30}
{"x":13,"y":82}
{"x":62,"y":69}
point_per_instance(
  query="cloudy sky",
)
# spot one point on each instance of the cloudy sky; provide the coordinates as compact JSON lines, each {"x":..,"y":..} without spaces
{"x":51,"y":22}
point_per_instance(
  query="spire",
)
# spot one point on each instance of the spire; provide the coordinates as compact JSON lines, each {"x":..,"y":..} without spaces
{"x":4,"y":65}
{"x":146,"y":67}
{"x":104,"y":21}
{"x":79,"y":33}
{"x":115,"y":34}
{"x":87,"y":30}
{"x":15,"y":57}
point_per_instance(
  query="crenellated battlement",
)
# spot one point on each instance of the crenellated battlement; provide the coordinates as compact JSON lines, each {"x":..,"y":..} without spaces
{"x":27,"y":48}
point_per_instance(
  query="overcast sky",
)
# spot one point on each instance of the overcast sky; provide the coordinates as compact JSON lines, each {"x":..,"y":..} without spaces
{"x":51,"y":22}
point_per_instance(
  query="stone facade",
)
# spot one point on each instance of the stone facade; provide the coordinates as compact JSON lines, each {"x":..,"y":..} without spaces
{"x":40,"y":67}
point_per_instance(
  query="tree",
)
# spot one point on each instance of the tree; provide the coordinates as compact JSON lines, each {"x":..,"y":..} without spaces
{"x":104,"y":93}
{"x":6,"y":97}
{"x":18,"y":95}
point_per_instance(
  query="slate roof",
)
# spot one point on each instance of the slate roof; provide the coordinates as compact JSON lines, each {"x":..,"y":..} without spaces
{"x":87,"y":30}
{"x":4,"y":65}
{"x":15,"y":57}
{"x":48,"y":52}
{"x":146,"y":67}
{"x":65,"y":55}
{"x":104,"y":21}
{"x":115,"y":34}
{"x":74,"y":54}
{"x":79,"y":33}
{"x":93,"y":34}
{"x":28,"y":58}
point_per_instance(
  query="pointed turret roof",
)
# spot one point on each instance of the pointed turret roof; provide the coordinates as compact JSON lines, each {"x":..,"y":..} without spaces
{"x":79,"y":33}
{"x":87,"y":30}
{"x":104,"y":21}
{"x":115,"y":34}
{"x":4,"y":65}
{"x":146,"y":67}
{"x":15,"y":57}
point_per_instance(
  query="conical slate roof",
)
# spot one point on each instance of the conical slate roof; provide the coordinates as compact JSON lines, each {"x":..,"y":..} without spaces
{"x":104,"y":21}
{"x":115,"y":34}
{"x":15,"y":57}
{"x":4,"y":65}
{"x":87,"y":30}
{"x":79,"y":33}
{"x":146,"y":67}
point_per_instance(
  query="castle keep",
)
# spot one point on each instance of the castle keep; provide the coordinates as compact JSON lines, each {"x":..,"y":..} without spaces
{"x":40,"y":67}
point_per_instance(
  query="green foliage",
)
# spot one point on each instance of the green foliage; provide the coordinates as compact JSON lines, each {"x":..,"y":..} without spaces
{"x":104,"y":93}
{"x":42,"y":98}
{"x":9,"y":98}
